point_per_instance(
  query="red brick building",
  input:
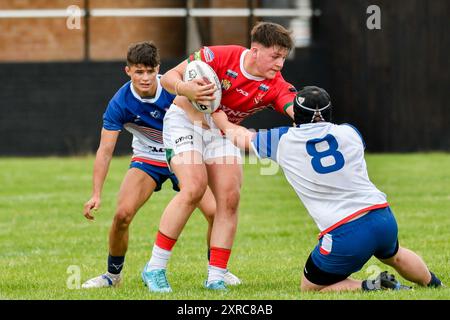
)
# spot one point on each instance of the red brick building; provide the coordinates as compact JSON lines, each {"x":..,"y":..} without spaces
{"x":107,"y":37}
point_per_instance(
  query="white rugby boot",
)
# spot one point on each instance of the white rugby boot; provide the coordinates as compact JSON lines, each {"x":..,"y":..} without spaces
{"x":103,"y":281}
{"x":231,"y":280}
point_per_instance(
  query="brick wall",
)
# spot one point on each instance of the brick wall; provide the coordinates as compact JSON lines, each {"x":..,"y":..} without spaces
{"x":38,"y":4}
{"x":110,"y":36}
{"x":49,"y":39}
{"x":229,"y":30}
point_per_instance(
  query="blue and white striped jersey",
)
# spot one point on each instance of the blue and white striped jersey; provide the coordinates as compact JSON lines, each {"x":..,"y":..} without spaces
{"x":143,"y":118}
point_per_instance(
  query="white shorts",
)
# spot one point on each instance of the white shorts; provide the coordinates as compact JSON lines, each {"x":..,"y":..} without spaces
{"x":181,"y":135}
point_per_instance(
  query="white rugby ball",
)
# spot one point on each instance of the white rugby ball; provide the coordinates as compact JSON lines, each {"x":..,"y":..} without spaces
{"x":201,"y":70}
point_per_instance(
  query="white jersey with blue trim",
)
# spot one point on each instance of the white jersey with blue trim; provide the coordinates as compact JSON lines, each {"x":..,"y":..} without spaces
{"x":325,"y":165}
{"x":143,"y":118}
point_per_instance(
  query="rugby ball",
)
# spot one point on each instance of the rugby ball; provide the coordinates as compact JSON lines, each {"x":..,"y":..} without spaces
{"x":201,"y":70}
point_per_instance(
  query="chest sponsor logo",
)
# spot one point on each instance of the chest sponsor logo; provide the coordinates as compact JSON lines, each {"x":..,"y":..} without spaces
{"x":236,"y":116}
{"x":226,"y":84}
{"x":263,"y":87}
{"x":259,"y":97}
{"x":156,"y":149}
{"x":244,"y":93}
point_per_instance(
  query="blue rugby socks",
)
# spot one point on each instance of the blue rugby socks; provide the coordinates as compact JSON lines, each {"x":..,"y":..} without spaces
{"x":434,"y":282}
{"x":115,"y":264}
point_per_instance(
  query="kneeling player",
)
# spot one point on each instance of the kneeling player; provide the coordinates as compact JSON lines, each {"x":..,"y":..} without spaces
{"x":324,"y":163}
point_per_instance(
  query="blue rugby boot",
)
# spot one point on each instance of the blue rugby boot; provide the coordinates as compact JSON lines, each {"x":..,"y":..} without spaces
{"x":218,"y":285}
{"x":156,"y":280}
{"x":435,"y":282}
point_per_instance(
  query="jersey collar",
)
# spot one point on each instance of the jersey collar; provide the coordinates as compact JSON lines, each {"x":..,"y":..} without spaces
{"x":152,"y":100}
{"x":308,"y":125}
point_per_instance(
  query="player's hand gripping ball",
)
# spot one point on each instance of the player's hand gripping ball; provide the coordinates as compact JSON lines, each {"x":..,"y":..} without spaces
{"x":200,"y":70}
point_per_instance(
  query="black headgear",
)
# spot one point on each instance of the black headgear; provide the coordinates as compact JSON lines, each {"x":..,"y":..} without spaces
{"x":312,"y":104}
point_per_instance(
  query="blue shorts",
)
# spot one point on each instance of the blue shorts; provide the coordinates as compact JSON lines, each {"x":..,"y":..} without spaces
{"x":347,"y":248}
{"x":159,"y":174}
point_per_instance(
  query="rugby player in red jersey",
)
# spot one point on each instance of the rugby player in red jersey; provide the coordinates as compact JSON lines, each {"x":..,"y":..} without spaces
{"x":250,"y":81}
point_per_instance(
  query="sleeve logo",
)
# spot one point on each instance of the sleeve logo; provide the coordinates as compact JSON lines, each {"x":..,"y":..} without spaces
{"x":209,"y":55}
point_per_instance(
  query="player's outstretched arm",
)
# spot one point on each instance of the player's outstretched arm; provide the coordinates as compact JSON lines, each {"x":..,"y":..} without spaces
{"x":195,"y":90}
{"x":239,"y":135}
{"x":101,"y":165}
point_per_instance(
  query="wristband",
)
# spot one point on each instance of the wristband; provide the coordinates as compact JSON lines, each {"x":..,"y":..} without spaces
{"x":176,"y":87}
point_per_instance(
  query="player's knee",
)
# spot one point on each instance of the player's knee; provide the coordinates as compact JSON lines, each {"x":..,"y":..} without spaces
{"x":193,"y":192}
{"x":396,"y":259}
{"x":232,"y":199}
{"x":123,"y":217}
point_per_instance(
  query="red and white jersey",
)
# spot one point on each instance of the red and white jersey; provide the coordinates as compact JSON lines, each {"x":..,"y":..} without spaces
{"x":242,"y":93}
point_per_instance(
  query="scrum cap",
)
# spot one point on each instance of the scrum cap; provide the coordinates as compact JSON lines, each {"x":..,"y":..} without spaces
{"x":312,"y":104}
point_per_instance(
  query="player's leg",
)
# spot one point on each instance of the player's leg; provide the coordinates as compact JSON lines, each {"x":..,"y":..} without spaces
{"x":208,"y":207}
{"x":330,"y":271}
{"x":344,"y":251}
{"x":225,"y":179}
{"x":411,"y":267}
{"x":315,"y":278}
{"x":344,"y":285}
{"x":192,"y":177}
{"x":407,"y":263}
{"x":136,"y":188}
{"x":184,"y":153}
{"x":184,"y":149}
{"x":384,"y":280}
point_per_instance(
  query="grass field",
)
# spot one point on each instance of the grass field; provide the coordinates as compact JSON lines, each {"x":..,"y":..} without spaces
{"x":45,"y":239}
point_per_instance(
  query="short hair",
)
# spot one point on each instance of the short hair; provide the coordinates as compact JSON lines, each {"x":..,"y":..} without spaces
{"x":271,"y":34}
{"x":145,"y":53}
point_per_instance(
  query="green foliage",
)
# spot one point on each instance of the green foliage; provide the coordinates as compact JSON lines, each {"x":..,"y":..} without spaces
{"x":43,"y":231}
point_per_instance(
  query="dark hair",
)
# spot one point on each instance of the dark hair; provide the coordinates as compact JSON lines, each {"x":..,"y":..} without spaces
{"x":145,"y":53}
{"x":271,"y":34}
{"x":312,"y":104}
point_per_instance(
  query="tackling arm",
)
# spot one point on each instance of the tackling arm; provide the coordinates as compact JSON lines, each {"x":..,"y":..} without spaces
{"x":239,"y":135}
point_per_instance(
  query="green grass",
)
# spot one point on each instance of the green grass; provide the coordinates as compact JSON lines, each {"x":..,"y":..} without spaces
{"x":43,"y":231}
